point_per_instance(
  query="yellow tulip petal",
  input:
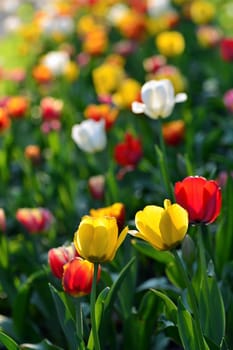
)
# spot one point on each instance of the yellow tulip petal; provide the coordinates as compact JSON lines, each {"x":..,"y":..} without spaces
{"x":173,"y":224}
{"x":147,"y":222}
{"x":83,"y":237}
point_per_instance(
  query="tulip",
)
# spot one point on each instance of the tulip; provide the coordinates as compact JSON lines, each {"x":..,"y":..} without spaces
{"x":228,"y":100}
{"x":103,"y":111}
{"x":163,"y":228}
{"x":51,"y":108}
{"x":116,"y":210}
{"x":170,"y":43}
{"x":56,"y":62}
{"x":2,"y":220}
{"x":17,"y":106}
{"x":173,"y":132}
{"x":200,"y":197}
{"x":33,"y":153}
{"x":58,"y":257}
{"x":90,"y":135}
{"x":96,"y":186}
{"x":129,"y":152}
{"x":226,"y":49}
{"x":5,"y":121}
{"x":35,"y":219}
{"x":78,"y":277}
{"x":97,"y":238}
{"x":158,"y":99}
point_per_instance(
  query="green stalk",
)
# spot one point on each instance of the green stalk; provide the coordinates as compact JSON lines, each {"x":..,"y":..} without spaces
{"x":162,"y":157}
{"x":193,"y":300}
{"x":93,"y":300}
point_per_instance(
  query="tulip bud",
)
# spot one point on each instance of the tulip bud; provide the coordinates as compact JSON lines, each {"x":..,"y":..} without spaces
{"x":188,"y":250}
{"x":78,"y":276}
{"x":33,"y":153}
{"x":2,"y":220}
{"x":58,"y":257}
{"x":96,"y":185}
{"x":35,"y":219}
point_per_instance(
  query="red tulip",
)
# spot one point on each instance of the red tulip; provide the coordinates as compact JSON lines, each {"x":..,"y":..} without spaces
{"x":226,"y":49}
{"x":58,"y":257}
{"x":78,"y":276}
{"x":129,"y":152}
{"x":200,"y":197}
{"x":35,"y":220}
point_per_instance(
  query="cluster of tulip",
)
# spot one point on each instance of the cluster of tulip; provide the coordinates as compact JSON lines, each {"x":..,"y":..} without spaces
{"x":116,"y":162}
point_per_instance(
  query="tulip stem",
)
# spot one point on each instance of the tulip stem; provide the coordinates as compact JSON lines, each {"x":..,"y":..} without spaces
{"x":162,"y":156}
{"x":93,"y":316}
{"x":193,"y":300}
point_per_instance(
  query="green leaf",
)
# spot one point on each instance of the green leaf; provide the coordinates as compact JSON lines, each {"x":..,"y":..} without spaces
{"x":141,"y":324}
{"x":44,"y":345}
{"x":21,"y":303}
{"x":212,"y":318}
{"x":146,"y":249}
{"x":66,"y":319}
{"x":8,"y":342}
{"x":171,"y":308}
{"x":173,"y":274}
{"x":187,"y":329}
{"x":99,"y":308}
{"x":224,"y":234}
{"x":116,"y":285}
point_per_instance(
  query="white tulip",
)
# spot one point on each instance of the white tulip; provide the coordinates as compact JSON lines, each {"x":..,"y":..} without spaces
{"x":158,"y":99}
{"x":89,"y":135}
{"x":56,"y":61}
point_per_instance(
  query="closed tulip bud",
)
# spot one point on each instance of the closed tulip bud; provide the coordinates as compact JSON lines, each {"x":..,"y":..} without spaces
{"x":17,"y":106}
{"x":58,"y":257}
{"x":33,"y":153}
{"x":35,"y":220}
{"x":97,"y":238}
{"x":2,"y":220}
{"x":173,"y":132}
{"x":96,"y":185}
{"x":78,"y":277}
{"x":188,"y":250}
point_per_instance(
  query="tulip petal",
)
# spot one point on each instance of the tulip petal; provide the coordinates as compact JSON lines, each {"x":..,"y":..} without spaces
{"x":173,"y":225}
{"x":181,"y":97}
{"x":138,"y":107}
{"x":147,"y":223}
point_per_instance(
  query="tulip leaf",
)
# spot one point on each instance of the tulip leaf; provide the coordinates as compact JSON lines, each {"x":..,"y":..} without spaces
{"x":171,"y":308}
{"x":187,"y":329}
{"x":99,"y":308}
{"x":66,"y":319}
{"x":173,"y":274}
{"x":224,"y":234}
{"x":212,"y":318}
{"x":21,"y":304}
{"x":44,"y":345}
{"x":146,"y":249}
{"x":116,"y":285}
{"x":141,"y":323}
{"x":7,"y":341}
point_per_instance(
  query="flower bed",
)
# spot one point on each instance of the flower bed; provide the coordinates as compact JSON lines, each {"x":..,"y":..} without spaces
{"x":116,"y":175}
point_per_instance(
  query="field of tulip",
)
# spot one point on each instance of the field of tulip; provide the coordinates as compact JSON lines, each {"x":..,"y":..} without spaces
{"x":116,"y":175}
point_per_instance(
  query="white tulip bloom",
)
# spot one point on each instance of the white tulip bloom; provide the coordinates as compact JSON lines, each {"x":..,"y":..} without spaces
{"x":90,"y":135}
{"x":158,"y":99}
{"x":56,"y":61}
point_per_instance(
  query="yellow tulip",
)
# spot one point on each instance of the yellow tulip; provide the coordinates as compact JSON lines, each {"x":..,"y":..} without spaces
{"x":163,"y":228}
{"x":97,"y":238}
